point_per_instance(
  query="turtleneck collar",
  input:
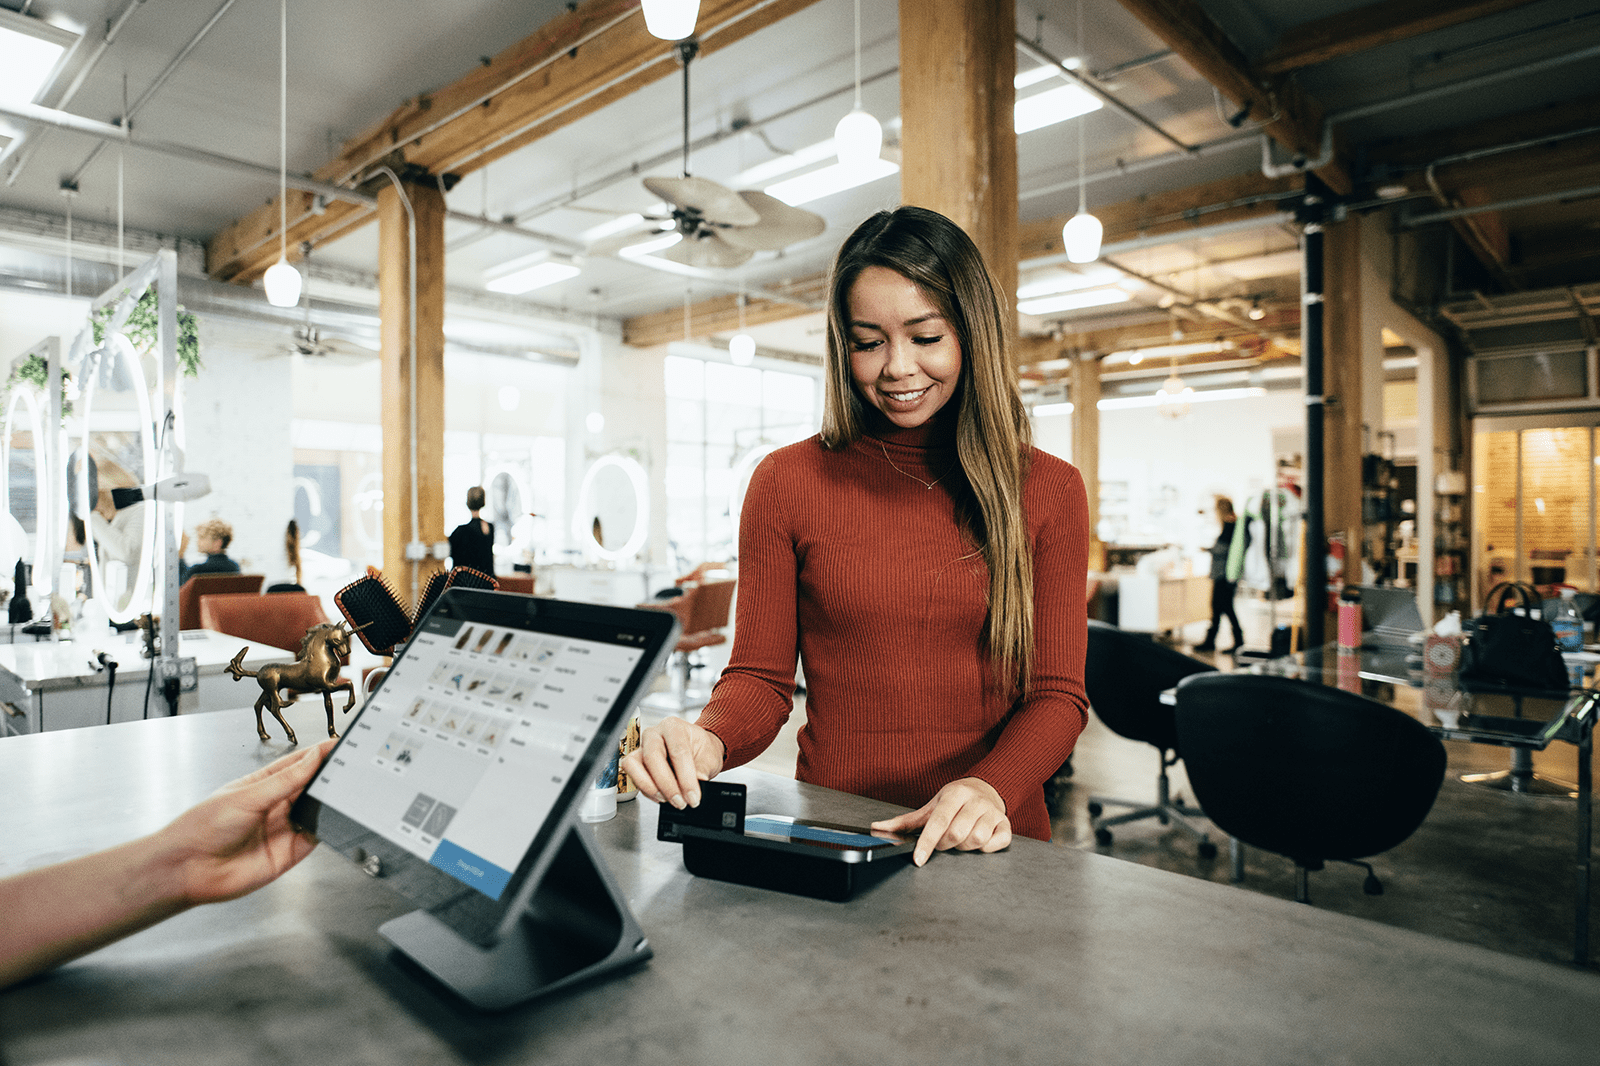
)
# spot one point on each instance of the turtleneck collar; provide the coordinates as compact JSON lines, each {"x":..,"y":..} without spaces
{"x":937,"y":432}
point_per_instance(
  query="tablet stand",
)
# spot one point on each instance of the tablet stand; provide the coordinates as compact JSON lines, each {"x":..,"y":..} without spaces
{"x":577,"y":926}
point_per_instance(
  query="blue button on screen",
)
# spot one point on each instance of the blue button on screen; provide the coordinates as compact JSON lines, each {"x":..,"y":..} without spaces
{"x":470,"y":870}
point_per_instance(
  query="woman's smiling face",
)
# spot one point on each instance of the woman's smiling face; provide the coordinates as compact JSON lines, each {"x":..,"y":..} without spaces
{"x":904,"y":357}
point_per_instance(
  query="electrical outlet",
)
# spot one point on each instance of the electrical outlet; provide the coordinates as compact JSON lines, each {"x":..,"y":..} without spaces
{"x":186,"y":670}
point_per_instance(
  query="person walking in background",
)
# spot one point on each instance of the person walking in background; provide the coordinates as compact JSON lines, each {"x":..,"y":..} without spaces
{"x":1224,"y":577}
{"x":472,"y":542}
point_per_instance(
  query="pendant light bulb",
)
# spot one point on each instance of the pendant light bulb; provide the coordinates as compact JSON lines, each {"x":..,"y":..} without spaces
{"x":1081,"y":237}
{"x":742,"y":349}
{"x":282,"y":283}
{"x":671,"y":20}
{"x":858,"y":138}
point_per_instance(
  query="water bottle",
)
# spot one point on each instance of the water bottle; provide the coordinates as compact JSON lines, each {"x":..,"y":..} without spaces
{"x":1567,"y":622}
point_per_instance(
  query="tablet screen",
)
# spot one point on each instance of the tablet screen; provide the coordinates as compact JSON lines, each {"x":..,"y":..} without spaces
{"x":483,"y":733}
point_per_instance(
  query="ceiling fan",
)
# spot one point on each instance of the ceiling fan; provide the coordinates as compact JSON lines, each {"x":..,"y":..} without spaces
{"x":308,"y":341}
{"x":719,"y":227}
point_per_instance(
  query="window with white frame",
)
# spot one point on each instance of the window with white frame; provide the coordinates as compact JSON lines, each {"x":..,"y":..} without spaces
{"x":720,"y":418}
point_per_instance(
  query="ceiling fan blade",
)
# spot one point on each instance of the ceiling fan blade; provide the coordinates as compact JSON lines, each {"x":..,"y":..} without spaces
{"x":613,"y":243}
{"x":713,"y":202}
{"x":708,"y":250}
{"x":780,"y":225}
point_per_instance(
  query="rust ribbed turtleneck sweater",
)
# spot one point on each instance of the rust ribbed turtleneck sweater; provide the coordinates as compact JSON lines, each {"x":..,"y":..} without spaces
{"x":850,"y":560}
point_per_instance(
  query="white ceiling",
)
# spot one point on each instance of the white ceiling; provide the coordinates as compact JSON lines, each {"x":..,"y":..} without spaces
{"x":352,"y":62}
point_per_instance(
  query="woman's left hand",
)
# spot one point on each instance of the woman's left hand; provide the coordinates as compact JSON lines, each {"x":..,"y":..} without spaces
{"x":967,"y":814}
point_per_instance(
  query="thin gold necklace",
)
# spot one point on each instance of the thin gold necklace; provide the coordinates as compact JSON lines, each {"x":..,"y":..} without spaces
{"x":925,"y":484}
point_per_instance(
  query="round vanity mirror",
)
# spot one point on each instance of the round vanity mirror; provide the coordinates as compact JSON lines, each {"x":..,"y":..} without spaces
{"x":117,"y":443}
{"x":24,"y":495}
{"x":612,"y":519}
{"x":505,"y":504}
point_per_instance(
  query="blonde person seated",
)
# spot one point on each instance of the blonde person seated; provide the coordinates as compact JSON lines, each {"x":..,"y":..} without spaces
{"x":925,"y":561}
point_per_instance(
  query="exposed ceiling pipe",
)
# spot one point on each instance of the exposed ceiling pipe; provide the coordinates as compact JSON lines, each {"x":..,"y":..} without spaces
{"x":1583,"y":193}
{"x":1221,"y":144}
{"x":28,"y":145}
{"x":155,"y":87}
{"x":1524,"y":70}
{"x":107,"y":131}
{"x":1028,"y":47}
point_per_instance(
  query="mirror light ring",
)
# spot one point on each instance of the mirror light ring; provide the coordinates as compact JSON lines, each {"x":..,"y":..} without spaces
{"x":741,"y":482}
{"x":584,"y":515}
{"x":120,"y":345}
{"x":41,"y":478}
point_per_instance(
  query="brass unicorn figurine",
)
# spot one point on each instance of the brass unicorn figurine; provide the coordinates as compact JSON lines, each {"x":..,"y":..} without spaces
{"x":315,"y":670}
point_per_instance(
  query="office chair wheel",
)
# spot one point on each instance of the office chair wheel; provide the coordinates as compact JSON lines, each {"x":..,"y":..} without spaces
{"x":1094,"y":810}
{"x":1102,"y":837}
{"x":1208,"y":850}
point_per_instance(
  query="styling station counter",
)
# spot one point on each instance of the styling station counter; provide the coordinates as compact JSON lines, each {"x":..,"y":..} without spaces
{"x":62,"y":685}
{"x":1040,"y":954}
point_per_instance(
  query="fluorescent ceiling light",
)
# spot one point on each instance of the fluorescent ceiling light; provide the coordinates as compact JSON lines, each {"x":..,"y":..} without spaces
{"x":1060,"y":281}
{"x":1044,"y":410}
{"x":1072,"y":301}
{"x":606,"y":229}
{"x":829,"y":180}
{"x":1122,"y":403}
{"x":1194,"y":348}
{"x":1052,"y":106}
{"x":30,"y":49}
{"x":530,"y":272}
{"x":762,"y":173}
{"x":651,"y":246}
{"x":1034,"y":75}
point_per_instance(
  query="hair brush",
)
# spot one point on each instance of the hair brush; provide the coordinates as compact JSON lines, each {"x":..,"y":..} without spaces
{"x":374,"y":612}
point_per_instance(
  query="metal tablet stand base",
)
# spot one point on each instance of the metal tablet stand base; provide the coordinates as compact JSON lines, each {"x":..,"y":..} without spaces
{"x":577,"y":927}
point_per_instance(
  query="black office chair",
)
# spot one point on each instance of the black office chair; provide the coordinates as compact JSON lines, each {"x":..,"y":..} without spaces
{"x":1310,"y":772}
{"x":1125,"y":676}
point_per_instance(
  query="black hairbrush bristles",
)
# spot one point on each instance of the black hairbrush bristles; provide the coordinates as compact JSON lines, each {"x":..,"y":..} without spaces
{"x":464,"y":577}
{"x":374,"y":612}
{"x":438,"y":581}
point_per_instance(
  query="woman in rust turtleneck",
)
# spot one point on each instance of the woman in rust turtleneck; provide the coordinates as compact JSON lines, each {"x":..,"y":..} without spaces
{"x":925,"y":562}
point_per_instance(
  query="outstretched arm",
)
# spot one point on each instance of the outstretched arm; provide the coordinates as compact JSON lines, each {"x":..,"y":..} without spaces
{"x":228,"y":845}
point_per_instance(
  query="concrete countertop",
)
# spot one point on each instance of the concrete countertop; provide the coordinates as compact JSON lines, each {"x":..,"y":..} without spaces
{"x":1040,"y":954}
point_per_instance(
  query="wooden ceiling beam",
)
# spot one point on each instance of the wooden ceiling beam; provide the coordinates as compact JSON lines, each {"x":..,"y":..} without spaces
{"x":595,"y":54}
{"x":1372,"y":26}
{"x":1293,"y":118}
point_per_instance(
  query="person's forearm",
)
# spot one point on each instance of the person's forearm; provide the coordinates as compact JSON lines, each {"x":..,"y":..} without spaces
{"x":57,"y":913}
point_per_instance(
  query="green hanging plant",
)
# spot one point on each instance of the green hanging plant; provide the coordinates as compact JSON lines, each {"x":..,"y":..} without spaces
{"x":35,"y":370}
{"x":141,"y":329}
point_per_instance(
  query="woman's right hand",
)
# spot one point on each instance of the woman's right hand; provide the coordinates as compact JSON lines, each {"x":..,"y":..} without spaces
{"x":673,"y":758}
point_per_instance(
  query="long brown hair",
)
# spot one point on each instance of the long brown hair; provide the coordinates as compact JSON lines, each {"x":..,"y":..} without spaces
{"x":992,"y":430}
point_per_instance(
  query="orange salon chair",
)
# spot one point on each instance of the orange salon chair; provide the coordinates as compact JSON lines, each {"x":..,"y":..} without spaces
{"x":199,"y":585}
{"x":703,"y":611}
{"x":279,"y":619}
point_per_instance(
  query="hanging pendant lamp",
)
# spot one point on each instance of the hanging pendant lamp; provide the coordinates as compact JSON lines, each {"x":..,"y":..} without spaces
{"x":1081,"y":236}
{"x":671,"y":20}
{"x":283,"y":281}
{"x":858,"y":137}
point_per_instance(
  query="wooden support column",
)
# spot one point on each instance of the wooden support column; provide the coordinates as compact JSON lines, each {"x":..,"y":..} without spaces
{"x":1342,"y":428}
{"x":395,"y":294}
{"x":1086,"y":445}
{"x":958,"y":141}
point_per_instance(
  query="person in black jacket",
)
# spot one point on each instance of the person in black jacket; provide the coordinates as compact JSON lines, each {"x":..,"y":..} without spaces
{"x":472,"y":542}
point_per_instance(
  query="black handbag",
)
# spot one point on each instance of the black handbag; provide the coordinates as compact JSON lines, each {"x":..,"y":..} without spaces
{"x":1506,"y":649}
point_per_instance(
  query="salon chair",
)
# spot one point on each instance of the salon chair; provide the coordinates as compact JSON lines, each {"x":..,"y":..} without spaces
{"x":703,"y":611}
{"x":278,"y":619}
{"x":190,"y":592}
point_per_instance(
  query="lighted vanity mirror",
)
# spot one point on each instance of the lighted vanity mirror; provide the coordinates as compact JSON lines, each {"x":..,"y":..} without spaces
{"x":117,"y":437}
{"x":26,"y":497}
{"x":505,"y":505}
{"x":612,"y":519}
